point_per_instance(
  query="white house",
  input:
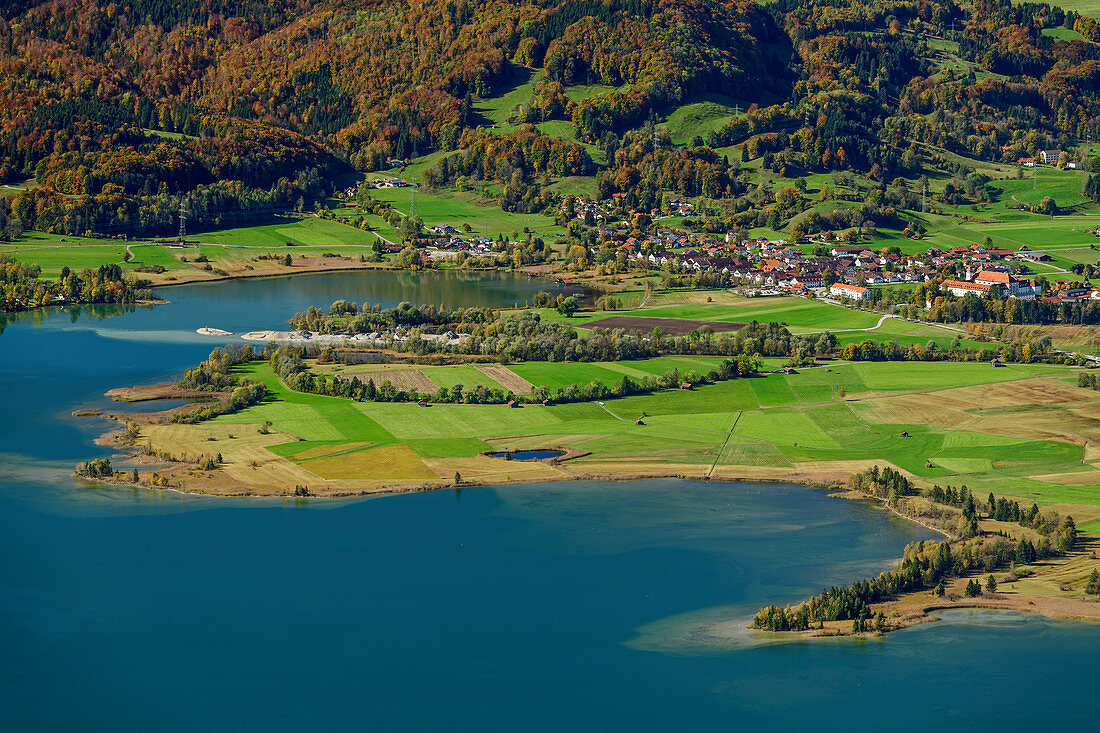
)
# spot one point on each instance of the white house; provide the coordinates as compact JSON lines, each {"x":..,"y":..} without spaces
{"x":1049,"y":157}
{"x":848,"y":292}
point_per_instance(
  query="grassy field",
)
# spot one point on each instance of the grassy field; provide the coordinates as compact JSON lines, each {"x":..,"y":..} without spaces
{"x":428,"y":379}
{"x":308,"y":231}
{"x":908,"y":333}
{"x":231,"y":250}
{"x":1024,"y":431}
{"x":699,"y":116}
{"x":1084,"y":7}
{"x":799,"y":314}
{"x":457,"y":208}
{"x":53,"y":252}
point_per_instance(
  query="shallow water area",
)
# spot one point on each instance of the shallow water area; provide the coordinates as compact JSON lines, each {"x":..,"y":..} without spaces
{"x":543,"y":606}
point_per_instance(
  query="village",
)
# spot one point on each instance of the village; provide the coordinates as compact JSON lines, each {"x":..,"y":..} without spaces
{"x":776,"y":267}
{"x":838,"y":266}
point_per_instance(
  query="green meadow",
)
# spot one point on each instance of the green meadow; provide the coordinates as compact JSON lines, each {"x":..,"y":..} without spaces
{"x":824,"y":420}
{"x":552,"y":375}
{"x":225,"y":248}
{"x":308,"y":231}
{"x":1084,"y":7}
{"x":457,"y":208}
{"x":800,"y":315}
{"x":699,"y":116}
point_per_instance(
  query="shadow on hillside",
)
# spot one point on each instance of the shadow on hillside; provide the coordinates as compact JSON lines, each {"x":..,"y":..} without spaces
{"x":513,"y":78}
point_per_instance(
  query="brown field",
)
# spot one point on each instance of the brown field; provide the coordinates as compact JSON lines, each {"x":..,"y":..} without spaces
{"x":409,"y":380}
{"x":1069,"y":337}
{"x":1088,"y":477}
{"x":385,"y":462}
{"x":506,"y":378}
{"x":671,"y":326}
{"x":1037,"y":409}
{"x":485,"y":470}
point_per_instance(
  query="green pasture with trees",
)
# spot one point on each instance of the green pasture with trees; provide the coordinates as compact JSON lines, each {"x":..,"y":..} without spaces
{"x":830,"y":414}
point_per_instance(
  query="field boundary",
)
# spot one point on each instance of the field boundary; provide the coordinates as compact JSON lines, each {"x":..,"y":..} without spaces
{"x":722,"y":450}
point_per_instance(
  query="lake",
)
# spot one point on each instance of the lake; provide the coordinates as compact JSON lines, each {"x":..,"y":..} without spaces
{"x":543,"y":607}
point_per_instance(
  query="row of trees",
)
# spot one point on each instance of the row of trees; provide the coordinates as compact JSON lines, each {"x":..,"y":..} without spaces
{"x":995,"y":308}
{"x":350,"y":318}
{"x":289,"y":363}
{"x":1085,"y":379}
{"x":22,"y":288}
{"x":215,"y":374}
{"x":526,"y":337}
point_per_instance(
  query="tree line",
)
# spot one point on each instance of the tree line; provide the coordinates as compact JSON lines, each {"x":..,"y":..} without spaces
{"x":925,"y":565}
{"x":524,"y":336}
{"x":289,"y":363}
{"x":216,"y":375}
{"x":21,"y":286}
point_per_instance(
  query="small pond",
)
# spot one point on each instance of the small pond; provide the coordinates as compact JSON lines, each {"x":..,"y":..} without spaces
{"x":527,"y":455}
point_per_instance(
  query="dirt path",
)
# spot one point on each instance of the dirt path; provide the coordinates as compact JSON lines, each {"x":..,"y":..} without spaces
{"x":648,"y":293}
{"x":612,"y":414}
{"x":725,"y":442}
{"x":883,"y":320}
{"x":885,"y":317}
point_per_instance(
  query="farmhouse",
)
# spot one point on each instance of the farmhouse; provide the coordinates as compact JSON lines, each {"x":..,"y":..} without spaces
{"x":849,"y":292}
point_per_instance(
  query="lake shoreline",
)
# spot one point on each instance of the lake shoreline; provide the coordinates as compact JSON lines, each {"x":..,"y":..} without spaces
{"x":229,"y":488}
{"x":320,"y":265}
{"x":81,"y":304}
{"x":903,"y":611}
{"x":916,"y":607}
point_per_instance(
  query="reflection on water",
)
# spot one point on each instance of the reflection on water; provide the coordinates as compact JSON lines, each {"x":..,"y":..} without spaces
{"x":75,"y":313}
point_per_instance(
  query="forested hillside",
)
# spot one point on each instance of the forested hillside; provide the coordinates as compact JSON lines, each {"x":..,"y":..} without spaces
{"x":122,"y":112}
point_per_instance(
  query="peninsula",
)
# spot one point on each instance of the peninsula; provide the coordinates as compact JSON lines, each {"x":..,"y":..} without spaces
{"x":361,"y":400}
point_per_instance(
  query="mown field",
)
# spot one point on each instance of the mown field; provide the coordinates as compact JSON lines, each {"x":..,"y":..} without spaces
{"x":518,"y":378}
{"x":227,"y":249}
{"x":1084,"y":7}
{"x":1025,"y":430}
{"x":798,"y":314}
{"x":457,"y":208}
{"x":702,"y":115}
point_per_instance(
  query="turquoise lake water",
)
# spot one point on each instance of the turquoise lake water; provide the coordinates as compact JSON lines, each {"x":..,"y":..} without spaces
{"x":548,"y":607}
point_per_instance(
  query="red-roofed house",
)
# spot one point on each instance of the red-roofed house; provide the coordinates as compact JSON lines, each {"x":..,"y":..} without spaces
{"x":848,"y":292}
{"x":961,"y":288}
